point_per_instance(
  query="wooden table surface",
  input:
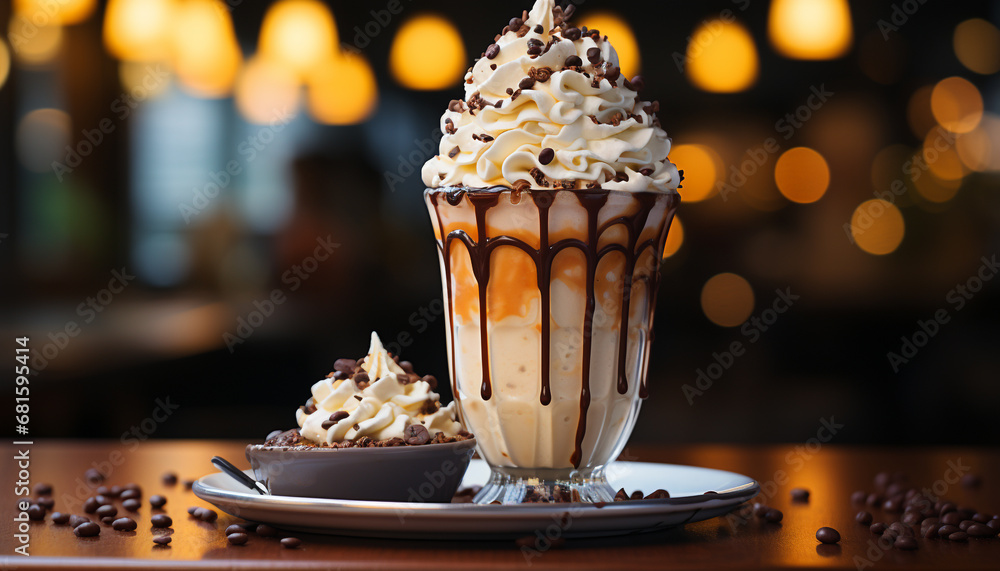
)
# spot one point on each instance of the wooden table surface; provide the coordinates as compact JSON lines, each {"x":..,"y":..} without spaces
{"x":830,"y":472}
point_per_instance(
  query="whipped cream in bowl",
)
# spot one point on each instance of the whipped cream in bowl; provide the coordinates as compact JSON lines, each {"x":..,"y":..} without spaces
{"x":371,"y":430}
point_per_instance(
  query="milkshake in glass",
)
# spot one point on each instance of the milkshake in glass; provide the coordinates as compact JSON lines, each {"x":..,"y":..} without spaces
{"x":550,"y":201}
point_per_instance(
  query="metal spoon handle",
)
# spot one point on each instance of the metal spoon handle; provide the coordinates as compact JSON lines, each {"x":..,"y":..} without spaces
{"x":238,"y":475}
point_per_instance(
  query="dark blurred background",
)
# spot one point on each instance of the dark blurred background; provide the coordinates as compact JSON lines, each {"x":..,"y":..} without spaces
{"x":168,"y":169}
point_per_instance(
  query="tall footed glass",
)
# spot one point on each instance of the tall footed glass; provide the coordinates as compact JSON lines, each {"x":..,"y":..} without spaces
{"x":549,"y":304}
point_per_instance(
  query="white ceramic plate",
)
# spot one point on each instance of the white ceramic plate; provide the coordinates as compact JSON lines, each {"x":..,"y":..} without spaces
{"x":688,"y":503}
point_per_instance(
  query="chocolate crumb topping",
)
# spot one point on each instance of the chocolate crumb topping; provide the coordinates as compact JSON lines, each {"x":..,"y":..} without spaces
{"x":537,"y":174}
{"x":527,"y":83}
{"x":539,"y":29}
{"x":540,"y":74}
{"x":456,"y":105}
{"x":449,"y":127}
{"x":454,"y":152}
{"x":567,"y":184}
{"x":572,"y":34}
{"x":574,"y":61}
{"x":594,"y":55}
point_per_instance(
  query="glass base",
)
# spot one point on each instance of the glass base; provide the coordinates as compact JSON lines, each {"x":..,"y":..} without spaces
{"x":526,"y":485}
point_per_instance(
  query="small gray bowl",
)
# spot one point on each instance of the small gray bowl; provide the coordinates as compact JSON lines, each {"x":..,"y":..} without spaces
{"x":425,"y":473}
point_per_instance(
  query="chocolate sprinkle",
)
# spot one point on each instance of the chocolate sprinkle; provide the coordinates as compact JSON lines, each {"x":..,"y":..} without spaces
{"x":454,"y":152}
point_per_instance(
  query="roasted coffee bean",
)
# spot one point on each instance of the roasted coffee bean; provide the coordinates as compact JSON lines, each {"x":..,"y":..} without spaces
{"x":800,"y":495}
{"x":43,"y":489}
{"x":947,"y":507}
{"x":929,"y":532}
{"x":237,"y":538}
{"x":947,"y":529}
{"x":206,"y":515}
{"x":107,"y":511}
{"x":636,"y":84}
{"x":87,"y":529}
{"x":594,"y":55}
{"x":994,"y":524}
{"x":572,"y":34}
{"x":416,"y":434}
{"x":94,"y":476}
{"x":265,"y":530}
{"x":574,"y":61}
{"x":129,"y":494}
{"x":906,"y":543}
{"x":406,"y":366}
{"x":492,"y":51}
{"x":169,"y":479}
{"x":191,"y":510}
{"x":545,"y":157}
{"x":46,"y":502}
{"x":874,"y":500}
{"x":952,"y":518}
{"x":898,"y":527}
{"x":893,"y":505}
{"x":162,"y":539}
{"x":161,"y":520}
{"x":965,"y":524}
{"x":864,"y":518}
{"x":958,"y":536}
{"x":980,"y":530}
{"x":90,"y":505}
{"x":361,"y":377}
{"x":235,"y":528}
{"x":60,"y":518}
{"x":345,"y":365}
{"x":124,"y":524}
{"x":878,"y":528}
{"x":36,"y":512}
{"x":107,"y":520}
{"x":132,"y":504}
{"x":980,"y":517}
{"x":188,"y":484}
{"x":133,"y":486}
{"x":657,"y":495}
{"x":103,"y":491}
{"x":773,"y":516}
{"x":115,"y":491}
{"x":971,"y":481}
{"x":75,"y":520}
{"x":760,"y":509}
{"x":912,"y":518}
{"x":430,"y":380}
{"x":894,"y":489}
{"x":931,"y":522}
{"x":827,"y":535}
{"x":291,"y":542}
{"x":157,"y":501}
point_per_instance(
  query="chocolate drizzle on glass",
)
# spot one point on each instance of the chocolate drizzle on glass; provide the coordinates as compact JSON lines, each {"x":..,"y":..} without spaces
{"x":480,"y":252}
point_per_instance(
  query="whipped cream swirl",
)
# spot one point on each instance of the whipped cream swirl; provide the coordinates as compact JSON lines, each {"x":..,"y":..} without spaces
{"x":546,"y":107}
{"x":380,"y":406}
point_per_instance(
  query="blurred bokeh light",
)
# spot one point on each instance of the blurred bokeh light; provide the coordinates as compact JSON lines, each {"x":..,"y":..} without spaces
{"x":918,"y":111}
{"x":205,"y":54}
{"x":675,"y":238}
{"x":265,"y":88}
{"x":977,"y":45}
{"x":722,"y":57}
{"x":727,"y":299}
{"x":428,"y":54}
{"x":42,"y":136}
{"x":702,"y":168}
{"x":139,"y":30}
{"x":63,"y":12}
{"x":810,"y":29}
{"x":300,"y":34}
{"x":957,"y":104}
{"x":4,"y":63}
{"x":343,"y":90}
{"x":802,"y":175}
{"x":619,"y":34}
{"x":31,"y":44}
{"x":877,"y":227}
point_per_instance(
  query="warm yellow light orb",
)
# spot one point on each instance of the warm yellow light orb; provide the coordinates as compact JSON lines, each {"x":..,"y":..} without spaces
{"x":802,"y":175}
{"x":722,"y":57}
{"x":810,"y":29}
{"x":298,"y":33}
{"x":427,"y":54}
{"x":343,"y":90}
{"x":620,"y":35}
